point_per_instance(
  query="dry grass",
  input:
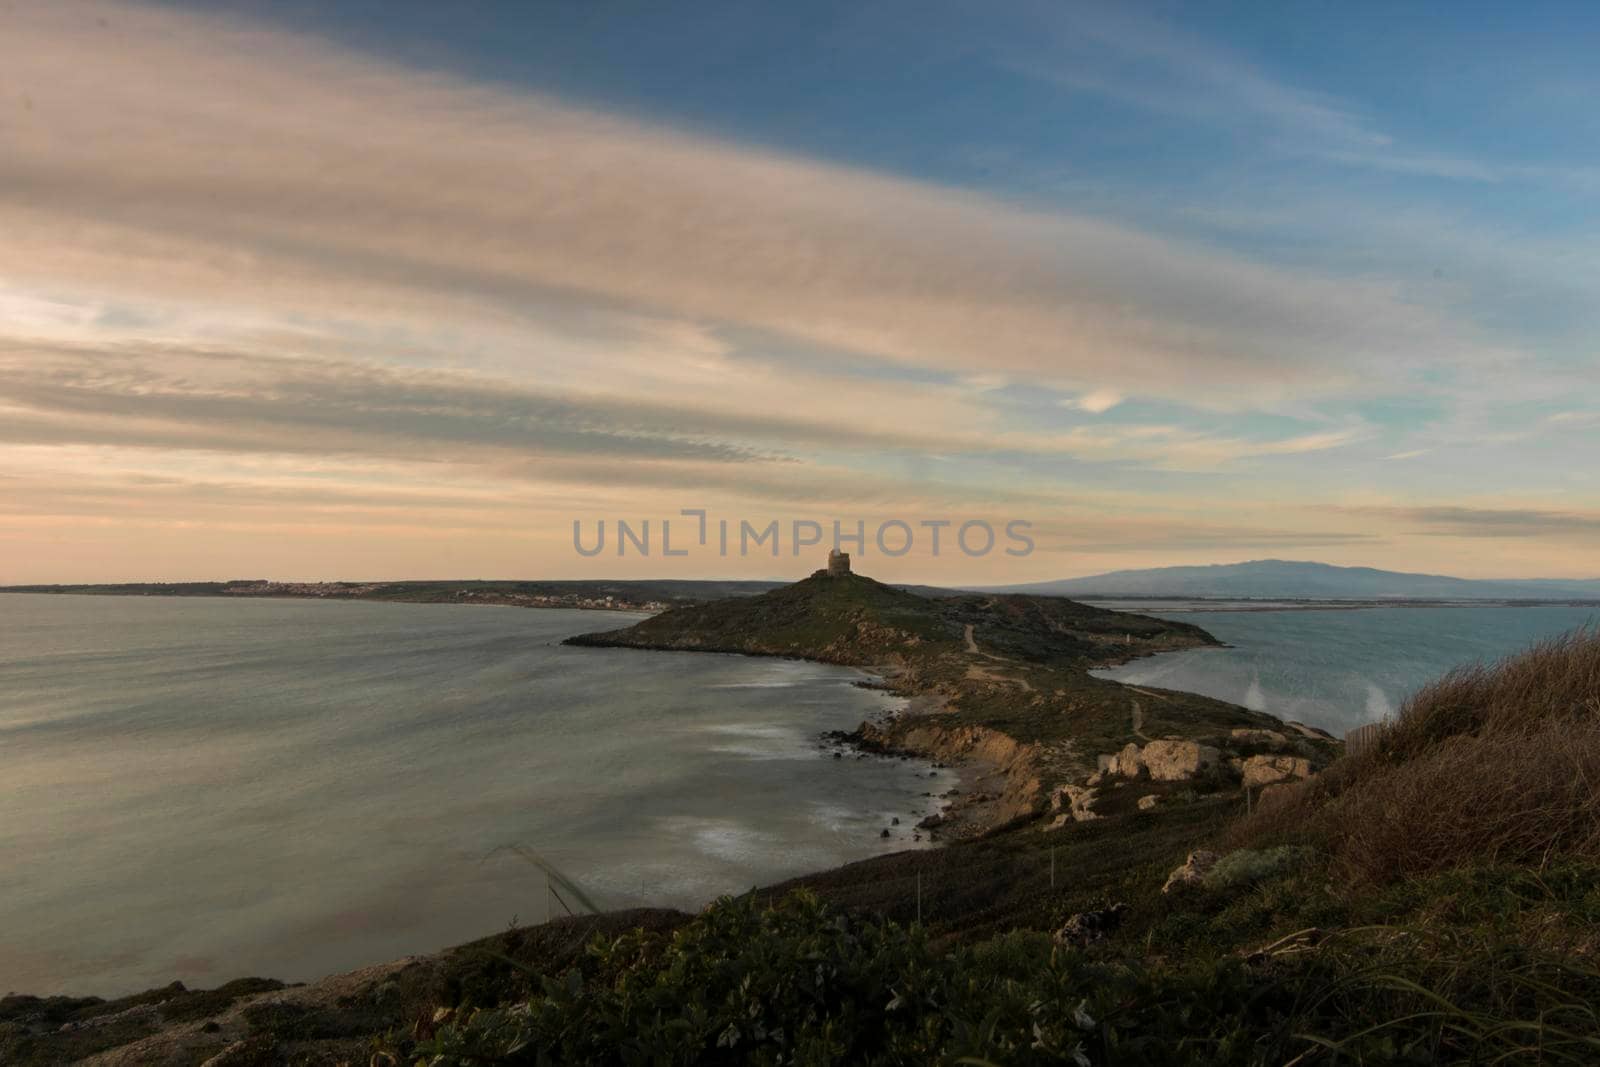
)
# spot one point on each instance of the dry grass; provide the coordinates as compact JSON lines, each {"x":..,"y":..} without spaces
{"x":1491,"y":763}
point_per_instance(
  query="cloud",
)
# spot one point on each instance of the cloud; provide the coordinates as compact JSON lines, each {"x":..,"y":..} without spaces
{"x":1461,"y":521}
{"x":1098,"y":401}
{"x":1114,"y":52}
{"x":237,"y":166}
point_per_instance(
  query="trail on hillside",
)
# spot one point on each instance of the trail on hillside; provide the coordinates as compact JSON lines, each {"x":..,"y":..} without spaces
{"x":983,"y":673}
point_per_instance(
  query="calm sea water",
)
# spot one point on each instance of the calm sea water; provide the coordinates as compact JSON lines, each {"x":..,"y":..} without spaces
{"x":1338,"y":669}
{"x":204,"y":789}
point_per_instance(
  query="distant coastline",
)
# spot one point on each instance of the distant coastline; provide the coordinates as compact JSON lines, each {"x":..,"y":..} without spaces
{"x":630,"y":596}
{"x":654,"y":596}
{"x":1185,"y":604}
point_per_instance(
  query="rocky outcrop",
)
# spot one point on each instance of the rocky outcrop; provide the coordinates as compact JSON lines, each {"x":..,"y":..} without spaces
{"x":1129,"y":762}
{"x":1021,"y":790}
{"x":1072,"y":803}
{"x":1167,"y":760}
{"x":1270,"y":770}
{"x":1272,"y":739}
{"x":1149,"y":802}
{"x":1087,"y":927}
{"x":1178,"y":761}
{"x":1193,"y":873}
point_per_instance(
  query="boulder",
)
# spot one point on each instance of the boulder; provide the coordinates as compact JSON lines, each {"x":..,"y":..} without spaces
{"x":1178,"y":761}
{"x":1270,"y":738}
{"x":1095,"y":779}
{"x":1087,"y":927}
{"x":1075,"y":802}
{"x":1149,"y":801}
{"x":1130,"y":761}
{"x":1193,"y":872}
{"x":1106,"y":763}
{"x":1270,"y":770}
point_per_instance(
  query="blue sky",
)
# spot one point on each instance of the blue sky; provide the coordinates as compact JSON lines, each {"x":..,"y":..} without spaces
{"x":1179,"y":283}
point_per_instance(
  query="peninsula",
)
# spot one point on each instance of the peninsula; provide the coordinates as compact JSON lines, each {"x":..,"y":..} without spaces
{"x":998,"y":685}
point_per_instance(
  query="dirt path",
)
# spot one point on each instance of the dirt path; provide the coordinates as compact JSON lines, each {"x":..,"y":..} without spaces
{"x":988,"y":674}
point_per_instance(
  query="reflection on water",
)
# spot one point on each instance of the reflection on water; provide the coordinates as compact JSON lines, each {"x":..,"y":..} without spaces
{"x":203,"y":789}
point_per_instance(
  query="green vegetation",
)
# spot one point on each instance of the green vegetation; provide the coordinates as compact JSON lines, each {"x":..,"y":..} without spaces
{"x":798,"y":982}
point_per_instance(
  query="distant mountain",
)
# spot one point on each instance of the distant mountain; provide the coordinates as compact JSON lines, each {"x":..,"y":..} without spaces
{"x":1287,"y":579}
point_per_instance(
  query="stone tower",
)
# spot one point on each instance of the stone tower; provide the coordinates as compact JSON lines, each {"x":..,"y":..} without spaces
{"x":838,"y":563}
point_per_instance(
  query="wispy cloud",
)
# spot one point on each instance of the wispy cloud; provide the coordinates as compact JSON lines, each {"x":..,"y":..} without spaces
{"x":1115,"y":52}
{"x":1495,"y":522}
{"x":240,"y":165}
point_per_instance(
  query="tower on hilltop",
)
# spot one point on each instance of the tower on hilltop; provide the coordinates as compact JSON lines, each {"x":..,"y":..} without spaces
{"x":838,"y":563}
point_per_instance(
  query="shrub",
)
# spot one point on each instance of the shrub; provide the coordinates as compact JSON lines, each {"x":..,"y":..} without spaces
{"x":797,"y":983}
{"x":1246,"y":866}
{"x":1488,"y":764}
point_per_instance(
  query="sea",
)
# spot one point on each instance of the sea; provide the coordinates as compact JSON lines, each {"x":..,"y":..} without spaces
{"x":203,"y":789}
{"x":1339,"y":668}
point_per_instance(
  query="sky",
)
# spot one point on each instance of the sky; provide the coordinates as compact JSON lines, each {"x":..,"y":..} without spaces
{"x":406,"y":290}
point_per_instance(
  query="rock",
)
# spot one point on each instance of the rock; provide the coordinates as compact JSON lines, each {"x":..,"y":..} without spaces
{"x":1087,"y":927}
{"x":1193,"y":871}
{"x":139,"y":1012}
{"x":932,"y":821}
{"x":1271,"y":738}
{"x":1149,"y":801}
{"x":1106,"y":763}
{"x":258,"y":1051}
{"x":1178,"y":761}
{"x":1095,"y":779}
{"x":1269,"y":770}
{"x":1130,"y":761}
{"x":1075,"y":801}
{"x":895,"y":821}
{"x":885,"y":833}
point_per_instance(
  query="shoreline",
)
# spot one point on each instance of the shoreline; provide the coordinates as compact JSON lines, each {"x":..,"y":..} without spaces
{"x":962,"y":812}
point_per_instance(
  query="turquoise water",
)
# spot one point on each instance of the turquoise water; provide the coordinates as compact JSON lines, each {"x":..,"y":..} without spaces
{"x":201,"y":789}
{"x":1338,"y":669}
